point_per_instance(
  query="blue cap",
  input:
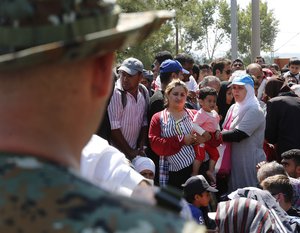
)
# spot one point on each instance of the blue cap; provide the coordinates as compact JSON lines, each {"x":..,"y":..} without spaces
{"x":243,"y":80}
{"x":169,"y":66}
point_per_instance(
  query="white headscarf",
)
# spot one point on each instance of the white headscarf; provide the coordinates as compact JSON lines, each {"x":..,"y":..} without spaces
{"x":249,"y":102}
{"x":143,"y":163}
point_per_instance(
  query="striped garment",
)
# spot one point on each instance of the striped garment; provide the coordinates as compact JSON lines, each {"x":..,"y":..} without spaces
{"x":281,"y":219}
{"x":170,"y":128}
{"x":186,"y":155}
{"x":130,"y":119}
{"x":244,"y":215}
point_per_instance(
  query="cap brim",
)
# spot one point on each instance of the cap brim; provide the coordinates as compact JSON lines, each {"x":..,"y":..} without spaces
{"x":237,"y":83}
{"x":132,"y":28}
{"x":128,"y":71}
{"x":211,"y":189}
{"x":185,"y":71}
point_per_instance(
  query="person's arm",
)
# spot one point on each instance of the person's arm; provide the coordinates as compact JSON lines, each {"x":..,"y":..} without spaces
{"x":115,"y":111}
{"x":120,"y":143}
{"x":163,"y":146}
{"x":234,"y":135}
{"x":272,"y":124}
{"x":142,"y":139}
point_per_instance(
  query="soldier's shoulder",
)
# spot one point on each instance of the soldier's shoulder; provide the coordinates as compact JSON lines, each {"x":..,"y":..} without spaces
{"x":51,"y":197}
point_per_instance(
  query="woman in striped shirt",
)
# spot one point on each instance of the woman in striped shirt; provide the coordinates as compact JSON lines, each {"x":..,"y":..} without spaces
{"x":171,"y":137}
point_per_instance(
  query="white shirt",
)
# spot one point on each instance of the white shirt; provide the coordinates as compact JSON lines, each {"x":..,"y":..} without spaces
{"x":192,"y":84}
{"x":107,"y":167}
{"x":130,"y":119}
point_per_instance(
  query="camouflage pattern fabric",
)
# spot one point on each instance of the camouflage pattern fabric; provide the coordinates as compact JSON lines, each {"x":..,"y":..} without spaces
{"x":40,"y":196}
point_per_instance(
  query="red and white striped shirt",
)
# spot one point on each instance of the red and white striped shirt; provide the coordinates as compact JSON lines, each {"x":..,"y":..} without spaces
{"x":166,"y":138}
{"x":129,"y":119}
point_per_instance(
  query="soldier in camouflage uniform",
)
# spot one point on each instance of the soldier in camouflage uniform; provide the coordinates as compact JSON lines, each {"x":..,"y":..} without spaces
{"x":55,"y":67}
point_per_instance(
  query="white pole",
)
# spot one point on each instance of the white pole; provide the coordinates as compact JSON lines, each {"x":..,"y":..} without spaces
{"x":255,"y":39}
{"x":234,"y":28}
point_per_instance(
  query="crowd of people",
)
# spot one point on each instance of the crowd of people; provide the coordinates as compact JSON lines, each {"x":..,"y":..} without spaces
{"x":92,"y":146}
{"x":216,"y":124}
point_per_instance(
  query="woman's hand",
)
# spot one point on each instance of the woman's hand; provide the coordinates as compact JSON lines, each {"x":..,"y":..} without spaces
{"x":195,"y":139}
{"x":204,"y":138}
{"x":190,"y":139}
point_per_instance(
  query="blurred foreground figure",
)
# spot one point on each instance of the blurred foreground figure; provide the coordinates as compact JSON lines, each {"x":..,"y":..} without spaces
{"x":55,"y":76}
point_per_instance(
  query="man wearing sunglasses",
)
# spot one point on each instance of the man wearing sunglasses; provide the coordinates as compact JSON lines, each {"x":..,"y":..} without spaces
{"x":221,"y":69}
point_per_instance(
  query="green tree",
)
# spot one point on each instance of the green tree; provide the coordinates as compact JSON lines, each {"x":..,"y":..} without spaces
{"x":162,"y":39}
{"x":202,"y":25}
{"x":268,"y":30}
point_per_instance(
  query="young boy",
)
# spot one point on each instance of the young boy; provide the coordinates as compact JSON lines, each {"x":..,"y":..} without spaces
{"x":196,"y":191}
{"x":294,"y":69}
{"x":207,"y":119}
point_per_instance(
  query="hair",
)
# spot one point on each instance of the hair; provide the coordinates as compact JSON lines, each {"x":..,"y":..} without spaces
{"x":270,"y":169}
{"x":293,"y":154}
{"x":260,"y":57}
{"x":165,"y":78}
{"x":196,"y":69}
{"x":162,"y":56}
{"x":294,"y":61}
{"x":275,"y":66}
{"x":253,"y":66}
{"x":220,"y":64}
{"x":190,"y":196}
{"x":184,"y":58}
{"x":174,"y":83}
{"x":279,"y":184}
{"x":209,"y":79}
{"x":204,"y":66}
{"x":238,"y":60}
{"x":206,"y":91}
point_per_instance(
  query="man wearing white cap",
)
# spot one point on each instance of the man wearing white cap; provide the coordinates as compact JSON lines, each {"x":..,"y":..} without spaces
{"x":127,"y":109}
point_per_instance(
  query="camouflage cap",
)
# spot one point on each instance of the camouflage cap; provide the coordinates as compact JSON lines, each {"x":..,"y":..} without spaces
{"x":37,"y":31}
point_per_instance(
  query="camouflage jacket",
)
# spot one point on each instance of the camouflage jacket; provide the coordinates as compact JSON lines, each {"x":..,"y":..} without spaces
{"x":40,"y":196}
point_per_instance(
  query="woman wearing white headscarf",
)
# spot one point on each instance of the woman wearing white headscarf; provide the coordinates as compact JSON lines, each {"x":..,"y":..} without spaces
{"x":144,"y":166}
{"x":246,"y":123}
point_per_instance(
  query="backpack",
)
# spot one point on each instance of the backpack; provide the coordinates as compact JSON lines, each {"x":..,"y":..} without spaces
{"x":142,"y":89}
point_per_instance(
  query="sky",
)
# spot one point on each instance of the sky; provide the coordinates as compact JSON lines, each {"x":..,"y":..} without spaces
{"x":288,"y":37}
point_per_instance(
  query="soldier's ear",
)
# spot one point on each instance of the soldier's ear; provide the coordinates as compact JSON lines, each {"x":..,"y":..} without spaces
{"x":298,"y":171}
{"x":102,"y":74}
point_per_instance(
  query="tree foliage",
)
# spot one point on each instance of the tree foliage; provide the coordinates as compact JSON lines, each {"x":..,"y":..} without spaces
{"x":203,"y":25}
{"x":268,"y":29}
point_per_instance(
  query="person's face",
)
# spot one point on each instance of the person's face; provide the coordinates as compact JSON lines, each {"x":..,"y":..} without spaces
{"x":130,"y":82}
{"x":294,"y":69}
{"x":291,"y":80}
{"x":225,"y":75}
{"x":189,"y":68}
{"x":214,"y":84}
{"x":239,"y":92}
{"x":258,"y":73}
{"x":155,"y":68}
{"x":274,"y":71}
{"x":259,"y":61}
{"x":229,"y":96}
{"x":204,"y":73}
{"x":237,"y":66}
{"x":177,"y":97}
{"x":209,"y":103}
{"x":203,"y":199}
{"x":146,"y":83}
{"x":290,"y":167}
{"x":147,"y":174}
